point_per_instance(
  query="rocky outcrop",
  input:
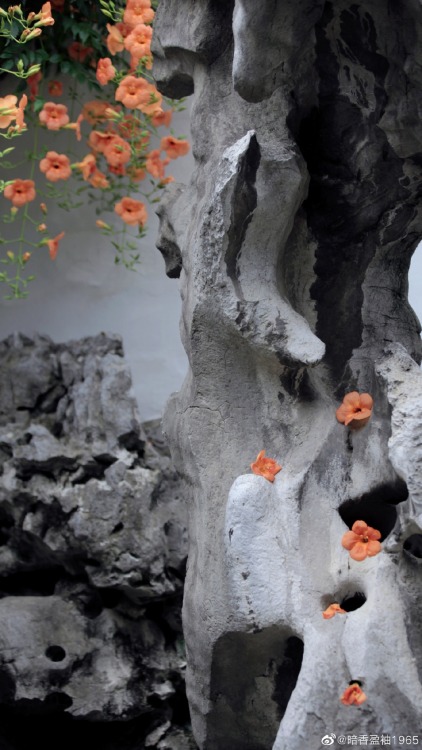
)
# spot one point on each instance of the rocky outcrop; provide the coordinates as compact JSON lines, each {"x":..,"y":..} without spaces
{"x":295,"y":236}
{"x":93,"y":546}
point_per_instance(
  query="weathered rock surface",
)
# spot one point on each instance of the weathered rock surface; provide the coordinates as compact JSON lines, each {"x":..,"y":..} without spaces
{"x":295,"y":237}
{"x":93,"y":542}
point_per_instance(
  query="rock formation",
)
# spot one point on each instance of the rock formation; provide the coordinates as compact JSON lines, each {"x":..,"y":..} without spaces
{"x":93,"y":546}
{"x":293,"y":242}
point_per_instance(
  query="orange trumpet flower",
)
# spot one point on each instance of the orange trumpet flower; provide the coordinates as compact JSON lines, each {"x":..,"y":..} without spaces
{"x":265,"y":467}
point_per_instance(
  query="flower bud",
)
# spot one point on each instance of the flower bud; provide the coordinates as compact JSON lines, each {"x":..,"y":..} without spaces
{"x":29,"y":34}
{"x":26,"y":257}
{"x":111,"y":114}
{"x":33,"y":69}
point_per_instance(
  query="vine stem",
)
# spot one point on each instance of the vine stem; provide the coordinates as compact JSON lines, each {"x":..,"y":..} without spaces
{"x":21,"y":239}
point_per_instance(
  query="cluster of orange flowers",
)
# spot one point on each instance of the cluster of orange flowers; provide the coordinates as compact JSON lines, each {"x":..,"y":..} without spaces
{"x":120,"y":124}
{"x":362,"y":541}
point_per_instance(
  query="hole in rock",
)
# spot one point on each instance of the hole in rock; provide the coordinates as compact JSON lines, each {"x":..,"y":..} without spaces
{"x":253,"y":676}
{"x":40,"y":582}
{"x":55,"y":653}
{"x":376,"y":508}
{"x":350,"y":602}
{"x":132,"y":442}
{"x":413,"y":545}
{"x":110,"y":597}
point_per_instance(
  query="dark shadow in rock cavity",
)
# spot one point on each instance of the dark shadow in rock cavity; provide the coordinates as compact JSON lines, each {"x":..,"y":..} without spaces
{"x":413,"y":546}
{"x":253,"y":677}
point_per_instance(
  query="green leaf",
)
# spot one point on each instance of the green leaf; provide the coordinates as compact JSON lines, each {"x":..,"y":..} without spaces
{"x":65,"y":66}
{"x":38,"y":104}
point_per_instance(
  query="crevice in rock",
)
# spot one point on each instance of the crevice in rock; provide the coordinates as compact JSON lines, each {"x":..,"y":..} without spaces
{"x":93,"y":469}
{"x":132,"y":442}
{"x":243,"y":204}
{"x":354,"y":205}
{"x":413,"y":546}
{"x":178,"y":702}
{"x":253,"y":677}
{"x":36,"y":582}
{"x":377,"y":507}
{"x":288,"y":673}
{"x":50,"y":468}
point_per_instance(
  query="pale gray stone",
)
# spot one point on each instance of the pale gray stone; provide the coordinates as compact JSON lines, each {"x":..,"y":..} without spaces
{"x":295,"y":235}
{"x":93,"y":544}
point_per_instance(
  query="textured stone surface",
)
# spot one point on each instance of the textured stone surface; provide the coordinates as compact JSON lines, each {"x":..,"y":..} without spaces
{"x":93,"y":544}
{"x":295,"y":237}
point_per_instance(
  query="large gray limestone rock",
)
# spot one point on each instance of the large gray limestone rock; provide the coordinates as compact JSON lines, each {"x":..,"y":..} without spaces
{"x":93,"y":544}
{"x":293,"y":241}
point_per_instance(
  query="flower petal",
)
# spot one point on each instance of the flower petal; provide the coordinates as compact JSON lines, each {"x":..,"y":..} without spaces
{"x":359,"y":551}
{"x":332,"y":610}
{"x":373,"y":547}
{"x":360,"y":527}
{"x":366,"y":401}
{"x":349,"y":539}
{"x":352,"y":399}
{"x":373,"y":533}
{"x":342,"y":413}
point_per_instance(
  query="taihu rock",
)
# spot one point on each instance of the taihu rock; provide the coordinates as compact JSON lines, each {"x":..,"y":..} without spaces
{"x":93,"y":542}
{"x":294,"y":239}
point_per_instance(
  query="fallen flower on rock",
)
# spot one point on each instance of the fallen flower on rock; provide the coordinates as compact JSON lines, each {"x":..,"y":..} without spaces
{"x":353,"y":695}
{"x":265,"y":467}
{"x":362,"y":541}
{"x":333,"y":609}
{"x":356,"y":409}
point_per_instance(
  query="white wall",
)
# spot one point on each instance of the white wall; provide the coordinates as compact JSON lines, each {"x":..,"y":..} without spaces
{"x":82,"y":293}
